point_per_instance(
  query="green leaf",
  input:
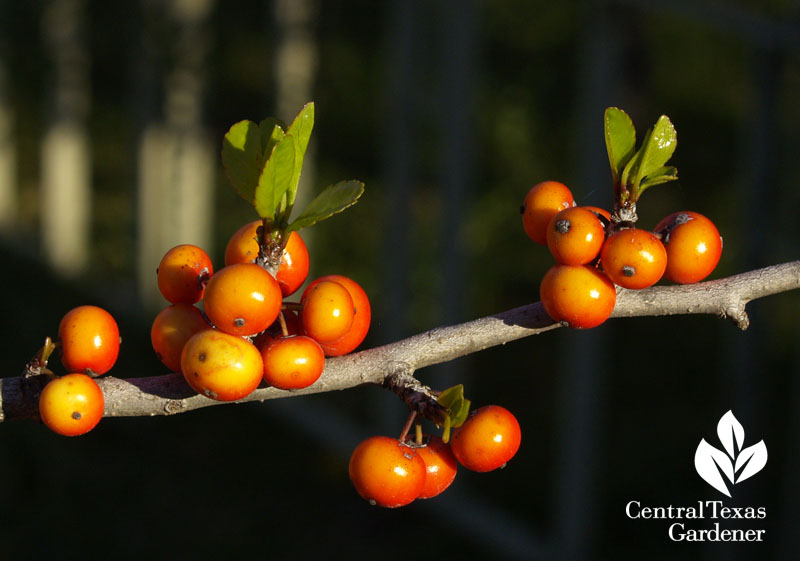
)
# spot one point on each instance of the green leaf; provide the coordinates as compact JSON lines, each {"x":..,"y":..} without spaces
{"x":659,"y":176}
{"x":300,"y":129}
{"x":334,"y":198}
{"x":620,"y":140}
{"x":451,"y":395}
{"x":272,"y":131}
{"x":459,"y":412}
{"x":275,"y":178}
{"x":656,"y":150}
{"x":242,"y":158}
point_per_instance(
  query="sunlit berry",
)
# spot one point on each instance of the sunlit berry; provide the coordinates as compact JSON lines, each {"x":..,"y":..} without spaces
{"x":71,"y":405}
{"x":242,"y":299}
{"x":89,"y":340}
{"x":183,"y":273}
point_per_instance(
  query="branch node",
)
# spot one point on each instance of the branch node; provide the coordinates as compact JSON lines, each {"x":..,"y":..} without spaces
{"x":415,"y":394}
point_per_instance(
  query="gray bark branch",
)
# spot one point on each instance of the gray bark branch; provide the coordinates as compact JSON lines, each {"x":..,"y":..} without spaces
{"x":169,"y":394}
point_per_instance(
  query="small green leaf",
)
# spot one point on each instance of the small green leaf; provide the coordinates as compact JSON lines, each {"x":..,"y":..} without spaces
{"x":451,"y":395}
{"x":242,"y":158}
{"x":659,"y":176}
{"x":300,"y":129}
{"x":334,"y":198}
{"x":272,"y":131}
{"x":620,"y":139}
{"x":656,"y":150}
{"x":460,"y":412}
{"x":275,"y":179}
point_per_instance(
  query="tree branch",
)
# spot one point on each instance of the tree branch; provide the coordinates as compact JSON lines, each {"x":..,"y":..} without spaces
{"x":169,"y":394}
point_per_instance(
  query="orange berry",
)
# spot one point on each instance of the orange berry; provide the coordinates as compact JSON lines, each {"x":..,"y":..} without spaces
{"x":89,"y":340}
{"x":575,"y":236}
{"x":293,"y":270}
{"x":292,"y":362}
{"x":71,"y":405}
{"x":387,"y":472}
{"x":488,"y":439}
{"x":541,"y":203}
{"x":182,"y":274}
{"x":173,"y":326}
{"x":440,"y":467}
{"x":580,"y":295}
{"x":693,"y":246}
{"x":221,"y":366}
{"x":242,"y":299}
{"x":243,"y":245}
{"x":633,"y":258}
{"x":361,"y":320}
{"x":327,"y":312}
{"x":294,"y":266}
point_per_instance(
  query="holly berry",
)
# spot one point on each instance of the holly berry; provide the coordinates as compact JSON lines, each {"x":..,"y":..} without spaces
{"x":387,"y":472}
{"x":633,"y":258}
{"x":242,"y":299}
{"x":440,"y":466}
{"x":221,"y":366}
{"x":243,"y":248}
{"x":243,"y":244}
{"x":89,"y":340}
{"x":292,"y":362}
{"x":361,"y":319}
{"x":327,"y":311}
{"x":580,"y":295}
{"x":575,"y":236}
{"x":541,"y":203}
{"x":693,"y":246}
{"x":71,"y":405}
{"x":488,"y":439}
{"x":294,"y":266}
{"x":173,"y":326}
{"x":183,"y":273}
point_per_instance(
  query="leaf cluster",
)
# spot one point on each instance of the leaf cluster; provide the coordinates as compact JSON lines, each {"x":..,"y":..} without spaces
{"x":633,"y":170}
{"x":263,"y":163}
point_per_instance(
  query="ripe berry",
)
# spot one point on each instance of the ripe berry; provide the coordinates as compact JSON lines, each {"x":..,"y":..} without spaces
{"x":242,"y":299}
{"x":541,"y":203}
{"x":693,"y":246}
{"x":71,"y":405}
{"x":89,"y":340}
{"x":243,"y":248}
{"x":361,"y":320}
{"x":292,"y":362}
{"x":575,"y":236}
{"x":578,"y":294}
{"x":487,"y":440}
{"x":182,"y":274}
{"x":387,"y":472}
{"x":294,"y":266}
{"x":243,"y":245}
{"x":221,"y":366}
{"x":633,"y":258}
{"x":173,"y":326}
{"x":440,"y":467}
{"x":328,"y":311}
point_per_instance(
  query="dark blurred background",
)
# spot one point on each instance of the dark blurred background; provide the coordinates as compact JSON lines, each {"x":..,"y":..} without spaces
{"x":111,"y":121}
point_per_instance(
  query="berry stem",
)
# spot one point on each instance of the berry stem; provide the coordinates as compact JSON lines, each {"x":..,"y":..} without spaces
{"x":407,"y":426}
{"x":284,"y":328}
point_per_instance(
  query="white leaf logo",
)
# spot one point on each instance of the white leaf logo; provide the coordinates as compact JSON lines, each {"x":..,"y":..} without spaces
{"x":712,"y":463}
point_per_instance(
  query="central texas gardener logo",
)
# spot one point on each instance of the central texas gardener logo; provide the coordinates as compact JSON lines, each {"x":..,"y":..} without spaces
{"x":735,"y":463}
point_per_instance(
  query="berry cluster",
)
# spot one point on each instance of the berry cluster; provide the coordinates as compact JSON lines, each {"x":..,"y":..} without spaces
{"x":392,"y":472}
{"x":247,"y":331}
{"x":73,"y":404}
{"x":596,"y":250}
